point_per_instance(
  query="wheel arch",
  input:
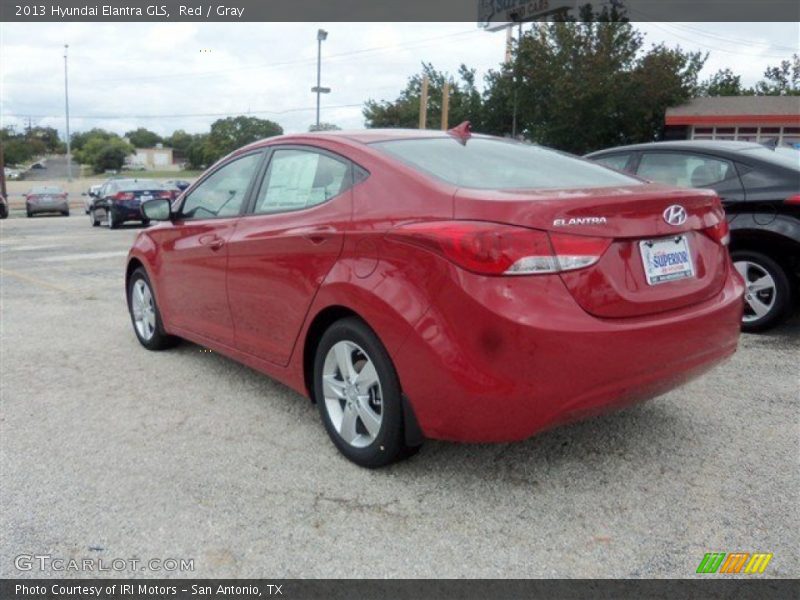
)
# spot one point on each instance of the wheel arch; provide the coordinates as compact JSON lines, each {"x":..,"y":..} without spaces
{"x":783,"y":250}
{"x":133,"y":264}
{"x":319,"y":324}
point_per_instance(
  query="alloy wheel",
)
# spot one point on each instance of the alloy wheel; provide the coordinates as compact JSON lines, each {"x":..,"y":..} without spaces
{"x":353,"y":394}
{"x":761,"y":290}
{"x":144,"y":310}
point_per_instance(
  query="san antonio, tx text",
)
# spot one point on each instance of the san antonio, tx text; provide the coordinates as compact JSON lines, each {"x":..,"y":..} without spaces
{"x":73,"y":590}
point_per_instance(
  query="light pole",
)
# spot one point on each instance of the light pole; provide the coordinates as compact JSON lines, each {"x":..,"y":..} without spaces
{"x":322,"y":35}
{"x":66,"y":108}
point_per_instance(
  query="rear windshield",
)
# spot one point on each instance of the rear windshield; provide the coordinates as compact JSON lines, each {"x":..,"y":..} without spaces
{"x":783,"y":157}
{"x":46,"y":190}
{"x":498,"y":164}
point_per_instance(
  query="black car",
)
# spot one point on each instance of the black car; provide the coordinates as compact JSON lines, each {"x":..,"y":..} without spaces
{"x":120,"y":200}
{"x":181,"y":184}
{"x":760,"y":189}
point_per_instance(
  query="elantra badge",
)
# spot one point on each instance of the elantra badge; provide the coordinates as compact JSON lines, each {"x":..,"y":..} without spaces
{"x":675,"y":215}
{"x":580,"y":221}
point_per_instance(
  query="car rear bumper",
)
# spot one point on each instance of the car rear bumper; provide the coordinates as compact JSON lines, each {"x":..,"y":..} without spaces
{"x":47,"y":207}
{"x":127,"y":213}
{"x":499,"y":359}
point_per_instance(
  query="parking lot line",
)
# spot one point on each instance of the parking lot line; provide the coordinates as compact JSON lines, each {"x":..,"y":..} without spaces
{"x":35,"y":281}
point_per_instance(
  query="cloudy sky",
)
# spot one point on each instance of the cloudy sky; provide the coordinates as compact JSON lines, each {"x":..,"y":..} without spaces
{"x":184,"y":75}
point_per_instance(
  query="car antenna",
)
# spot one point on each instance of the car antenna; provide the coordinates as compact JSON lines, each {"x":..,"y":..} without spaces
{"x":461,"y":132}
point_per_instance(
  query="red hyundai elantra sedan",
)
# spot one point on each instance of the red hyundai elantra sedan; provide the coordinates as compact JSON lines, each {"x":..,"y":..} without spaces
{"x":420,"y":284}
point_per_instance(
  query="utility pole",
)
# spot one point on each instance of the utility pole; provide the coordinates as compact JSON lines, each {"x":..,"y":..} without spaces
{"x":423,"y":103}
{"x":446,"y":106}
{"x":66,"y":109}
{"x":516,"y":84}
{"x":3,"y":173}
{"x":322,"y":35}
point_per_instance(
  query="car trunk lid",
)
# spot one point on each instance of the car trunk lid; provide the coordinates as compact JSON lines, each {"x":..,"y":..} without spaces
{"x":650,"y":265}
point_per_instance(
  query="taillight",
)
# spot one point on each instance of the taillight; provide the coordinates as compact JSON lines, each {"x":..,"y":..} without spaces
{"x":577,"y":251}
{"x":166,"y":195}
{"x":793,"y":200}
{"x":124,"y":196}
{"x":493,"y":249}
{"x":720,"y":233}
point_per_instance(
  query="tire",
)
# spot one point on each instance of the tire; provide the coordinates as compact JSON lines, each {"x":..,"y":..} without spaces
{"x":111,"y":221}
{"x":28,"y":213}
{"x":66,"y":213}
{"x":769,"y":306}
{"x":93,"y":219}
{"x":3,"y":211}
{"x":146,"y":222}
{"x":150,"y":332}
{"x":346,"y":409}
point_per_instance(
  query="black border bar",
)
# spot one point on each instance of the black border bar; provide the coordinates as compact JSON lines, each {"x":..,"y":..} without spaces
{"x":405,"y":589}
{"x":472,"y":11}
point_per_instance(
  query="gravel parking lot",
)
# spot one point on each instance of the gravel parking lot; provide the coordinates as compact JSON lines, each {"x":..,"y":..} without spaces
{"x":110,"y":451}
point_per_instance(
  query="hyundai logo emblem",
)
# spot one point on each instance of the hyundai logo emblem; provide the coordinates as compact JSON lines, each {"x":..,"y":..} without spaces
{"x":675,"y":215}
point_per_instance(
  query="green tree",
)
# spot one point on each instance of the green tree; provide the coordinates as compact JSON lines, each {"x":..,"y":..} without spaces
{"x":234,"y":132}
{"x":143,"y":138}
{"x":47,"y":136}
{"x":581,"y":86}
{"x":199,"y":153}
{"x":78,"y":140}
{"x":103,"y":151}
{"x":723,"y":83}
{"x":465,"y":101}
{"x":324,"y":127}
{"x":782,"y":80}
{"x":179,"y":140}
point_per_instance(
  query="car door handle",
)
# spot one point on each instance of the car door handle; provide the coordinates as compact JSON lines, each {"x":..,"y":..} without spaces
{"x":319,"y":234}
{"x":212,"y":241}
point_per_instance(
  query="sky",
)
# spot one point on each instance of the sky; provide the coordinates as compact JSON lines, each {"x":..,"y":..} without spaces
{"x":168,"y":76}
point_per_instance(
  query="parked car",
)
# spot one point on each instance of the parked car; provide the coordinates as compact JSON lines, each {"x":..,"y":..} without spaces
{"x":3,"y":207}
{"x":181,"y":184}
{"x":120,"y":200}
{"x":173,"y":189}
{"x":90,"y":196}
{"x":46,"y":199}
{"x":760,"y":190}
{"x":421,"y":284}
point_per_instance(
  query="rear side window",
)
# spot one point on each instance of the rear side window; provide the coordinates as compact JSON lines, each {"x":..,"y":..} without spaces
{"x":299,"y":179}
{"x":484,"y":163}
{"x":615,"y":161}
{"x":686,"y":170}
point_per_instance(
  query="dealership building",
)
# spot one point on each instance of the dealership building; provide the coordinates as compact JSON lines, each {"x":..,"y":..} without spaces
{"x":745,"y":118}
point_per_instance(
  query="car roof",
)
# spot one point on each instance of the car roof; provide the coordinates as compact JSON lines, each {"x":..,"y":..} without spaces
{"x":707,"y":145}
{"x":357,"y":136}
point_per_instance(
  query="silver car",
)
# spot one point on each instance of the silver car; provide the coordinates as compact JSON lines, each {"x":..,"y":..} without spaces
{"x":46,"y":199}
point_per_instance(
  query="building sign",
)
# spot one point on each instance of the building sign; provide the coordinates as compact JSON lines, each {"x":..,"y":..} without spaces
{"x":497,"y":14}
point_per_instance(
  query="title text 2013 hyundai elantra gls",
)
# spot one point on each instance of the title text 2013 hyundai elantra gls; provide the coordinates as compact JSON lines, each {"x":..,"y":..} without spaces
{"x":443,"y":285}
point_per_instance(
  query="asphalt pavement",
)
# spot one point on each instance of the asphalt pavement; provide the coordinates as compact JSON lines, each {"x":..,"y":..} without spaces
{"x":110,"y":451}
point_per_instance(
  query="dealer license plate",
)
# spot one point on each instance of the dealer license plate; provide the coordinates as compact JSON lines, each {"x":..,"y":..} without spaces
{"x":666,"y":259}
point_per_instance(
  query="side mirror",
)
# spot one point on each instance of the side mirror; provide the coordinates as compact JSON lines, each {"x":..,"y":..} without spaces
{"x":158,"y":209}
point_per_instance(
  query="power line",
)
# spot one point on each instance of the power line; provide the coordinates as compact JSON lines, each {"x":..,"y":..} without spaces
{"x":738,"y":42}
{"x":186,"y":115}
{"x":709,"y":46}
{"x":279,"y":65}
